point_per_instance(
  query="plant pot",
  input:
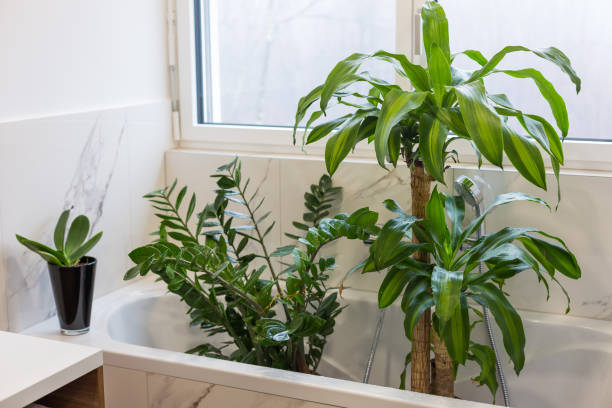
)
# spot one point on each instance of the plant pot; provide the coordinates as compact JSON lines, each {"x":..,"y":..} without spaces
{"x":73,"y":292}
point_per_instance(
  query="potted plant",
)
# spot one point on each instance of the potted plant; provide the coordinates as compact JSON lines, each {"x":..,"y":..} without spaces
{"x":72,"y":272}
{"x":277,"y":314}
{"x":447,"y":104}
{"x":453,"y":281}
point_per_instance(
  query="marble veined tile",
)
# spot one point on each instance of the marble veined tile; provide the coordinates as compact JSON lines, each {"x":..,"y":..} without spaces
{"x":582,"y":220}
{"x":80,"y":161}
{"x":124,"y":388}
{"x":165,"y":391}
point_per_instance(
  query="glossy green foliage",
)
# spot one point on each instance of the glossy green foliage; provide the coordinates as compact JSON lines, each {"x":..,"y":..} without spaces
{"x":445,"y":100}
{"x":318,"y":202}
{"x":216,"y":259}
{"x":453,"y":282}
{"x":69,"y":248}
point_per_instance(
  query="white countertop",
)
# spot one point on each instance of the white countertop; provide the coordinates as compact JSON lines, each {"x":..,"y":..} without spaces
{"x":32,"y":367}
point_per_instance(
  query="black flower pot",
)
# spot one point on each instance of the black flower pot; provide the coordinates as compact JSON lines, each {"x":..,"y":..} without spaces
{"x":73,"y":288}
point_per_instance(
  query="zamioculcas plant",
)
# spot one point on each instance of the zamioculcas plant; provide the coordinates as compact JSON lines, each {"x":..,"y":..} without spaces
{"x":69,"y":249}
{"x":446,"y":104}
{"x":453,"y":281}
{"x":223,"y":270}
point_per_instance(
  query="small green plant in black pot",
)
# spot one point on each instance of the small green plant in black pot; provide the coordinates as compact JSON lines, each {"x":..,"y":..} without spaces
{"x":72,"y":272}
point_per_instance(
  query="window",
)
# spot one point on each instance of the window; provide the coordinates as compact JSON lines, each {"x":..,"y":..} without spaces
{"x":243,"y":64}
{"x":260,"y":56}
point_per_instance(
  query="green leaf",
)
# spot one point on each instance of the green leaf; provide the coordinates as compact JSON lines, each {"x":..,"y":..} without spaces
{"x":140,"y":255}
{"x":414,"y":310}
{"x":431,"y":146}
{"x":396,"y":105}
{"x":76,"y":234}
{"x":85,"y":248}
{"x":323,"y":129}
{"x":282,"y":251}
{"x":48,"y":254}
{"x":446,"y":288}
{"x":385,"y":249}
{"x":191,"y":208}
{"x":60,"y":230}
{"x":435,"y":28}
{"x":525,"y":157}
{"x":340,"y":76}
{"x":440,"y":72}
{"x":392,"y":286}
{"x":339,"y":145}
{"x":305,"y":324}
{"x":550,"y":54}
{"x":552,"y":257}
{"x":456,"y":332}
{"x":484,"y":356}
{"x":455,"y":209}
{"x":271,"y":332}
{"x":415,"y":73}
{"x":481,"y":120}
{"x":508,"y":321}
{"x":179,"y":197}
{"x":548,"y":91}
{"x":304,"y":103}
{"x":132,"y":272}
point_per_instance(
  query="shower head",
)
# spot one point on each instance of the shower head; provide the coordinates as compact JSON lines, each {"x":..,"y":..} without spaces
{"x":468,"y":190}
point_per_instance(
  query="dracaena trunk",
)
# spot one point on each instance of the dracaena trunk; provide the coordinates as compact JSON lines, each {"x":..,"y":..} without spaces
{"x":443,"y":379}
{"x":420,"y":367}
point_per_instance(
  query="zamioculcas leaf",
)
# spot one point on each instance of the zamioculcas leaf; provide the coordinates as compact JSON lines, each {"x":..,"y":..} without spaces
{"x":396,"y":105}
{"x":433,"y":136}
{"x":446,"y":288}
{"x":548,"y":91}
{"x":435,"y":28}
{"x":508,"y":321}
{"x":76,"y":234}
{"x":481,"y":121}
{"x":60,"y":230}
{"x":525,"y":157}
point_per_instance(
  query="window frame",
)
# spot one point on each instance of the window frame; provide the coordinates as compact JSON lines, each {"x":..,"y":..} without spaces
{"x":581,"y":155}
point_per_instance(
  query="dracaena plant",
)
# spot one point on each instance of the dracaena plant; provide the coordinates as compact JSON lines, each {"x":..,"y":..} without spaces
{"x":453,"y":282}
{"x":217,"y":261}
{"x":444,"y":105}
{"x":70,"y":248}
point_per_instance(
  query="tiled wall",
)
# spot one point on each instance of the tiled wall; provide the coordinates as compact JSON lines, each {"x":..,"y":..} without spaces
{"x":582,"y":219}
{"x":101,"y":163}
{"x":125,"y":388}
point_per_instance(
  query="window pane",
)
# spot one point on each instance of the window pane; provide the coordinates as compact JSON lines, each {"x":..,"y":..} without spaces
{"x":581,"y":29}
{"x":265,"y":54}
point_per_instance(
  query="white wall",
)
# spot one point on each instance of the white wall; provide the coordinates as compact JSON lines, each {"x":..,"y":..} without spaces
{"x":65,"y":56}
{"x":84,"y":121}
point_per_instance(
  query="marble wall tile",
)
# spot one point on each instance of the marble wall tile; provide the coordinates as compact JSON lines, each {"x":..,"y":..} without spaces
{"x":583,"y":220}
{"x":80,"y":160}
{"x":124,"y":388}
{"x":165,"y":391}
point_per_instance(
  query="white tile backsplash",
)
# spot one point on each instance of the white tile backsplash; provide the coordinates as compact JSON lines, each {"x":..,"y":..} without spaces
{"x":101,"y":163}
{"x":582,"y":219}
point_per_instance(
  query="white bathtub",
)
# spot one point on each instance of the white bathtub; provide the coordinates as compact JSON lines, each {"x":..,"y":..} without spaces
{"x":141,"y":327}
